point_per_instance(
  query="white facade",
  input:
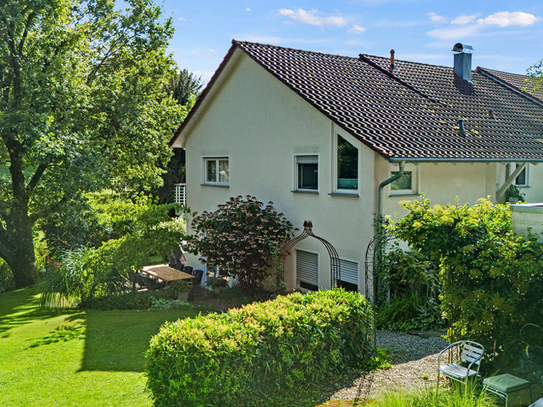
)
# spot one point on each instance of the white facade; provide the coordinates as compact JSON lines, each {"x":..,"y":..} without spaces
{"x":265,"y":131}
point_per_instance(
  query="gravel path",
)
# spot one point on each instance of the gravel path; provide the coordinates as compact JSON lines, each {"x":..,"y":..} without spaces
{"x":414,"y":365}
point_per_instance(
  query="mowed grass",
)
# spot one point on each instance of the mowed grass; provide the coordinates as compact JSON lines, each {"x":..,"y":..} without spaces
{"x":74,"y":358}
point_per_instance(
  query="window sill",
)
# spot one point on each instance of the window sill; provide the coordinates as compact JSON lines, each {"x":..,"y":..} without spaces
{"x":305,"y":191}
{"x":345,"y":194}
{"x":215,"y":185}
{"x":523,"y":186}
{"x":412,"y":194}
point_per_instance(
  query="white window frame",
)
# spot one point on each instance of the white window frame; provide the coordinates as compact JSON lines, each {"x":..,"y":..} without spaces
{"x":217,"y":159}
{"x":415,"y":181}
{"x":318,"y":269}
{"x":526,"y":177}
{"x":296,"y":186}
{"x":334,"y":172}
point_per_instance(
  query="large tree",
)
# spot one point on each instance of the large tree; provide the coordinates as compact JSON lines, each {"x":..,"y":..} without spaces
{"x":81,"y":108}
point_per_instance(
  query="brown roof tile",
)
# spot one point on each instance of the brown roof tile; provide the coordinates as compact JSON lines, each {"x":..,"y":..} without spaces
{"x":413,"y":111}
{"x":522,"y":83}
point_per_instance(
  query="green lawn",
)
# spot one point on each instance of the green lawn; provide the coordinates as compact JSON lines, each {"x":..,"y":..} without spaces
{"x":90,"y":358}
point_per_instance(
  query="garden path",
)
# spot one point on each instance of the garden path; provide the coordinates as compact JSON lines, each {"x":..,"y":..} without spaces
{"x":414,"y":366}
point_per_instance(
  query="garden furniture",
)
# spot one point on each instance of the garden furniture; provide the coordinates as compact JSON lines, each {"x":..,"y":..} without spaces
{"x":505,"y":385}
{"x":459,"y":361}
{"x":166,"y":273}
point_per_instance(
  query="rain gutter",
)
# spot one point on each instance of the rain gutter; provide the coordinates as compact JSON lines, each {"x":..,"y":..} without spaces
{"x":465,"y":160}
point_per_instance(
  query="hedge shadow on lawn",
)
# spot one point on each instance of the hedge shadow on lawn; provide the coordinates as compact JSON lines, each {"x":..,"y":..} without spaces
{"x":117,"y":340}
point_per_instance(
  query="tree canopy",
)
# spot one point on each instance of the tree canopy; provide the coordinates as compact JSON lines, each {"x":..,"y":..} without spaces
{"x":82,"y":107}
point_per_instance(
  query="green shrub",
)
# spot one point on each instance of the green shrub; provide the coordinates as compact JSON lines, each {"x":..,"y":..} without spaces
{"x":491,"y":278}
{"x":263,"y":351}
{"x":409,"y":312}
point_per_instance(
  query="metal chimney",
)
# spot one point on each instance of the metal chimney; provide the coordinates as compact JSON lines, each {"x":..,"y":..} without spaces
{"x":462,"y":61}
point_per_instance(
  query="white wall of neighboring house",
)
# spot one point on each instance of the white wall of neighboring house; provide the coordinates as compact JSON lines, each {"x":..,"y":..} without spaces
{"x":533,"y":189}
{"x":442,"y":183}
{"x":261,"y":125}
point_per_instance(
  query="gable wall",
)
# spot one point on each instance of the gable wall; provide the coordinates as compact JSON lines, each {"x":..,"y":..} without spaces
{"x":260,"y":124}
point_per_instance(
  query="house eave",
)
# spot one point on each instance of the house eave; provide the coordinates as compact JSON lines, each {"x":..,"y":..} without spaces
{"x":463,"y":160}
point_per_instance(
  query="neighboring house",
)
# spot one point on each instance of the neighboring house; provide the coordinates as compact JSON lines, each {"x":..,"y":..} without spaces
{"x":317,"y":134}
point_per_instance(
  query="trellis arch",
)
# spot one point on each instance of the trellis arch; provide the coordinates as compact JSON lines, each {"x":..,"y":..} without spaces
{"x":335,"y":270}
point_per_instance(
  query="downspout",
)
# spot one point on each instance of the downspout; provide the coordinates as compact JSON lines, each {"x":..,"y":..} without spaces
{"x":378,"y":254}
{"x":379,"y":220}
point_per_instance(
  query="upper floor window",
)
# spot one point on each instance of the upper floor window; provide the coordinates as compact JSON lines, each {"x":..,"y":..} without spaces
{"x":523,"y":179}
{"x":407,"y":184}
{"x":347,"y":165}
{"x":307,"y":172}
{"x":403,"y":184}
{"x":217,"y":171}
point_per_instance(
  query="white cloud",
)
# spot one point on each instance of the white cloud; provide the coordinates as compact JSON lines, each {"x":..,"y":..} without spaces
{"x":356,"y":29}
{"x":463,"y":20}
{"x":454,"y":33}
{"x":182,"y":19}
{"x":397,"y":23}
{"x":436,"y":18}
{"x":507,"y":19}
{"x":313,"y":17}
{"x":248,"y":9}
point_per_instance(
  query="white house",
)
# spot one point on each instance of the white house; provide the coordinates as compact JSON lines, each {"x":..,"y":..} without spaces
{"x":318,"y":134}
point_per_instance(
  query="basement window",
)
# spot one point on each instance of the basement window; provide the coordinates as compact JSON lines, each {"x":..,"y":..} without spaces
{"x":307,"y":270}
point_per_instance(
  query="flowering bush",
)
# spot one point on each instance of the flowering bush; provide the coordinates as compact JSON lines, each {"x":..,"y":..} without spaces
{"x":241,"y":237}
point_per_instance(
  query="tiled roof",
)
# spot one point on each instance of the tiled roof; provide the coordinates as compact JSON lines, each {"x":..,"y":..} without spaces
{"x":522,"y":83}
{"x":411,"y":113}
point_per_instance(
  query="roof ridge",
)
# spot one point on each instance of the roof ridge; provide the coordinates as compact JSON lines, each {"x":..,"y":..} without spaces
{"x":238,"y":42}
{"x":406,"y":61}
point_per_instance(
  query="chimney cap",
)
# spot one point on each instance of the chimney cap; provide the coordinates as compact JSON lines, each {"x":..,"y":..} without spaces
{"x":459,"y":47}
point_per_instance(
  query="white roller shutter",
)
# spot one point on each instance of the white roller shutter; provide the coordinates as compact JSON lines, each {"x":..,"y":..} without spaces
{"x":348,"y":271}
{"x":307,"y":267}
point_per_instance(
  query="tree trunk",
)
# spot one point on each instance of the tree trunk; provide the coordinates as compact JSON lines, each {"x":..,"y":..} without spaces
{"x":21,"y":257}
{"x":24,"y":268}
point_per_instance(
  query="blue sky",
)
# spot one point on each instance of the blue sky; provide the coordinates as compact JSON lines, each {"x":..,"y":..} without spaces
{"x":505,"y":35}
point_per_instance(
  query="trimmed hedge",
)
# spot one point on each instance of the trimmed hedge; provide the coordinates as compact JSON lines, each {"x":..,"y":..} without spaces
{"x":263,"y":351}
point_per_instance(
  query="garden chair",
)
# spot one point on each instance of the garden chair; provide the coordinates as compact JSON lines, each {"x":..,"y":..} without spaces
{"x":176,"y":258}
{"x":459,"y":361}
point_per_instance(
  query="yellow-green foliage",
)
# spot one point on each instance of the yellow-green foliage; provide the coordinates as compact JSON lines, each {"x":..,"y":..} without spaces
{"x":491,"y":278}
{"x":259,"y":352}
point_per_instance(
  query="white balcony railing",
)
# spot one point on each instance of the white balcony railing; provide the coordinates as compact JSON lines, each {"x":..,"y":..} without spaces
{"x":181,"y":194}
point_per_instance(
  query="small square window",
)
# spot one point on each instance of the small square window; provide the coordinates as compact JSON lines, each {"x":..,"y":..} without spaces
{"x":407,"y":184}
{"x":217,"y":171}
{"x":404,"y":183}
{"x":307,"y":169}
